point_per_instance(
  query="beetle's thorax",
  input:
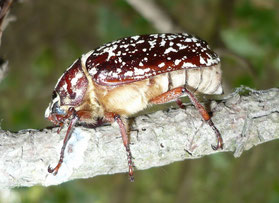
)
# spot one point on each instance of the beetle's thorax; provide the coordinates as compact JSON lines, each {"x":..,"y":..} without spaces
{"x":91,"y":102}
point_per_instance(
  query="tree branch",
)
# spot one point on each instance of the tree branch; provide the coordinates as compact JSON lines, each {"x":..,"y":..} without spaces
{"x":162,"y":138}
{"x":153,"y":13}
{"x":4,"y":21}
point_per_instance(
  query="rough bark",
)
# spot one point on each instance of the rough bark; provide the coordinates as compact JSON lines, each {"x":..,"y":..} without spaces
{"x":161,"y":138}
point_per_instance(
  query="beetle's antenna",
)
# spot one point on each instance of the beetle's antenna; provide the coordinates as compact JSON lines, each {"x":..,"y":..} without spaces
{"x":66,"y":139}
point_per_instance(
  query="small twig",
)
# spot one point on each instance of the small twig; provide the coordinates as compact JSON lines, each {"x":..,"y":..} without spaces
{"x":4,"y":21}
{"x":153,"y":13}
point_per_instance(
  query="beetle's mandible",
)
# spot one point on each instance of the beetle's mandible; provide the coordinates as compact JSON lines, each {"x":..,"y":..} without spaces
{"x":123,"y":77}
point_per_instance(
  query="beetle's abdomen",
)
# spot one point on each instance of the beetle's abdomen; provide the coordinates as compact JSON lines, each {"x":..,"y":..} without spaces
{"x":134,"y":97}
{"x":205,"y":80}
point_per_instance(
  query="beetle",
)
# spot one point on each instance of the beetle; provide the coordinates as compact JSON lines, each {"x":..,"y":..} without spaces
{"x":123,"y":77}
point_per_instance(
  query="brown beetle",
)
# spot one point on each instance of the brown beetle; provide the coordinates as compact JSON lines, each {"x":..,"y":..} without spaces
{"x":123,"y":77}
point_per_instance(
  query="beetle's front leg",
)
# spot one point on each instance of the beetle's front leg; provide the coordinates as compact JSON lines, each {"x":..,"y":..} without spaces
{"x":123,"y":130}
{"x":179,"y":91}
{"x":73,"y":121}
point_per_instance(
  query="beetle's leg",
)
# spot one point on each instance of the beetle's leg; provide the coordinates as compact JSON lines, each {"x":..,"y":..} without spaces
{"x":66,"y":139}
{"x":180,"y":104}
{"x":206,"y":117}
{"x":60,"y":127}
{"x":115,"y":117}
{"x":179,"y":91}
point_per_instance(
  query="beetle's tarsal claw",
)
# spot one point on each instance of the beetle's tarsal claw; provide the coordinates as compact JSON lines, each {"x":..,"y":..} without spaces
{"x":218,"y":146}
{"x":50,"y":170}
{"x":54,"y":171}
{"x":214,"y":147}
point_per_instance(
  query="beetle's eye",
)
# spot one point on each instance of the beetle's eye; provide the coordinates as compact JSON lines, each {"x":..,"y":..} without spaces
{"x":54,"y":107}
{"x":54,"y":95}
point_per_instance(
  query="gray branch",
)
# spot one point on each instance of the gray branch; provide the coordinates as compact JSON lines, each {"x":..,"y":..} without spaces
{"x":161,"y":138}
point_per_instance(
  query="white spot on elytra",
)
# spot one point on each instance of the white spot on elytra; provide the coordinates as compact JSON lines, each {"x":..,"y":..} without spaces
{"x":187,"y":65}
{"x":177,"y":61}
{"x":128,"y":73}
{"x":202,"y":61}
{"x":139,"y":71}
{"x":163,"y":42}
{"x":152,"y":43}
{"x":170,"y":49}
{"x":135,"y":37}
{"x":110,"y":51}
{"x":140,"y":41}
{"x":92,"y":71}
{"x":181,"y":46}
{"x":161,"y":65}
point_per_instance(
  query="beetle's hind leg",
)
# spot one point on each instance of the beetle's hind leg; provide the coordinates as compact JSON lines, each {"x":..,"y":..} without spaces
{"x":179,"y":91}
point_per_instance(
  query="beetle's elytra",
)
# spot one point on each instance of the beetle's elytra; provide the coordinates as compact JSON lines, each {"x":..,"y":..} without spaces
{"x":123,"y":77}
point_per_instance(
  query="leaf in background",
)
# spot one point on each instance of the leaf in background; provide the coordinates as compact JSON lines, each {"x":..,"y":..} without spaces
{"x":241,"y":43}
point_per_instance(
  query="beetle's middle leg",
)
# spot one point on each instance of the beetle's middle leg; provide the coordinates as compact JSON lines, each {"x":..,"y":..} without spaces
{"x":179,"y":91}
{"x":123,"y":130}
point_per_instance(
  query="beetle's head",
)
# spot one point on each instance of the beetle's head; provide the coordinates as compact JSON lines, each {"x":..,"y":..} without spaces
{"x":68,"y":94}
{"x":54,"y":112}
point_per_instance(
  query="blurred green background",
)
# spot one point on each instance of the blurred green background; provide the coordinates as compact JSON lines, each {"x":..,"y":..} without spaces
{"x":48,"y":36}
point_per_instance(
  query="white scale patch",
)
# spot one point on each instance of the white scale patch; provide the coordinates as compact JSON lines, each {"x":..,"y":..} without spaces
{"x":92,"y":71}
{"x":161,"y":65}
{"x":187,"y":64}
{"x":181,"y":46}
{"x":64,"y":73}
{"x":140,"y":41}
{"x":110,"y":51}
{"x":138,"y":71}
{"x":135,"y":37}
{"x":65,"y":86}
{"x":202,"y":61}
{"x":170,"y":49}
{"x":163,"y":42}
{"x":152,"y":44}
{"x":128,"y":74}
{"x":76,"y":78}
{"x":177,"y":61}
